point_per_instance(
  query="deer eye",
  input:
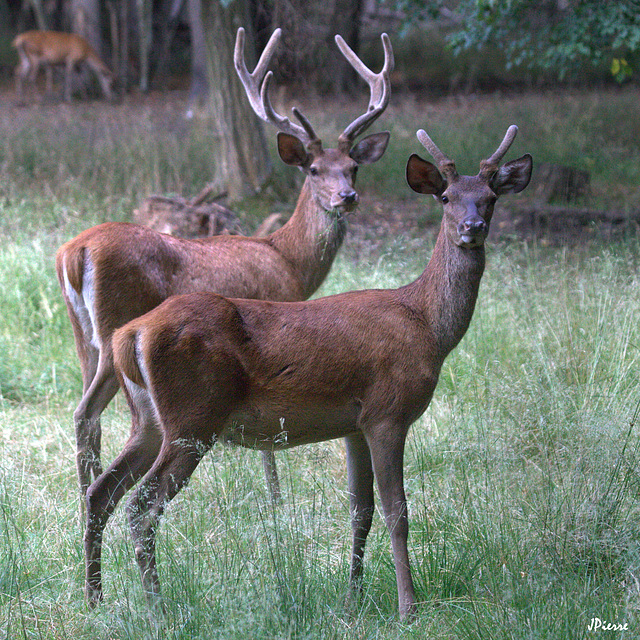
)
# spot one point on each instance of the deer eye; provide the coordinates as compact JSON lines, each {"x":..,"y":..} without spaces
{"x":444,"y":199}
{"x":313,"y":171}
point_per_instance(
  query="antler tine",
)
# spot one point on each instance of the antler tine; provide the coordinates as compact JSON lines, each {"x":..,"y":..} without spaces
{"x":256,"y":86}
{"x":499,"y":153}
{"x":379,"y":87}
{"x":445,"y":165}
{"x":306,"y":125}
{"x":305,"y":132}
{"x":252,"y":81}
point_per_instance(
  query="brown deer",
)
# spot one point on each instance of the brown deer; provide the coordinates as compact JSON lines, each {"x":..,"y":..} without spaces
{"x":51,"y":48}
{"x":115,"y":272}
{"x":361,"y":365}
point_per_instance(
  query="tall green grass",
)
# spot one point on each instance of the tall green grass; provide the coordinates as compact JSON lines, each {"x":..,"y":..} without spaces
{"x":522,"y":476}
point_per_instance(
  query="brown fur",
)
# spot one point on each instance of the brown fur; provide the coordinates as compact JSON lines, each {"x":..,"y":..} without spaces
{"x":136,"y":268}
{"x":360,"y":365}
{"x":51,"y":48}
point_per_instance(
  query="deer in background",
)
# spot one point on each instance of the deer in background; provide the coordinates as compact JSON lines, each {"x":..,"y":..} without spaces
{"x":51,"y":48}
{"x":360,"y":365}
{"x":115,"y":272}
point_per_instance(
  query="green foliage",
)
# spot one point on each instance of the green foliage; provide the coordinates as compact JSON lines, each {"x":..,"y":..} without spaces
{"x":542,"y":35}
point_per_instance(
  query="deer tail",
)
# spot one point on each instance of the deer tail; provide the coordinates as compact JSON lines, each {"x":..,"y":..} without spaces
{"x":126,"y":354}
{"x":70,"y":261}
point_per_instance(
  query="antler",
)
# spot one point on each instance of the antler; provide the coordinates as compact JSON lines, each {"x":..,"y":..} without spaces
{"x":256,"y":86}
{"x":446,"y":166}
{"x":379,"y":86}
{"x":490,"y":165}
{"x":487,"y":167}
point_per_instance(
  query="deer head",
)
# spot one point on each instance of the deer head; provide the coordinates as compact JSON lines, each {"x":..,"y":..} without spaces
{"x":468,"y":201}
{"x":331,"y":173}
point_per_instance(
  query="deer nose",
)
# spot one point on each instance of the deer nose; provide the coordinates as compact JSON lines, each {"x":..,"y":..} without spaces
{"x":472,"y":231}
{"x":349,"y":197}
{"x":472,"y":226}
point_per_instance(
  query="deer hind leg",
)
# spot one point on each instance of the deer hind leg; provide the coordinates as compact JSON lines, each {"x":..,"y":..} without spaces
{"x":103,"y":495}
{"x":386,"y":444}
{"x":100,"y":385}
{"x":170,"y":473}
{"x":360,"y":478}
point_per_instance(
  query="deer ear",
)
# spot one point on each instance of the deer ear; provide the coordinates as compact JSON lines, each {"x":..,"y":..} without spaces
{"x":371,"y":148}
{"x":292,"y":150}
{"x":512,"y":177}
{"x":424,"y":177}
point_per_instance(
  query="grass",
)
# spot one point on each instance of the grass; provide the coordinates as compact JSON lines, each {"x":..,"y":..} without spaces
{"x":522,"y":476}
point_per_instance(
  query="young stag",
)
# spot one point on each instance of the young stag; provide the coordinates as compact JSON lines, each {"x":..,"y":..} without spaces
{"x":52,"y":48}
{"x":115,"y":272}
{"x":361,"y":365}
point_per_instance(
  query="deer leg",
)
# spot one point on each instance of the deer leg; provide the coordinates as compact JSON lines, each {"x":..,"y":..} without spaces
{"x":360,"y":478}
{"x":68,"y":69}
{"x":100,"y":391}
{"x":271,"y":474}
{"x":48,"y":75}
{"x":387,"y":452}
{"x":33,"y":76}
{"x":104,"y":494}
{"x":21,"y":73}
{"x":170,"y":472}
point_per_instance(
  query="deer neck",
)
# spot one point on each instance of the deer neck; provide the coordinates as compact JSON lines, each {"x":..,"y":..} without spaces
{"x":446,"y":292}
{"x":310,"y":240}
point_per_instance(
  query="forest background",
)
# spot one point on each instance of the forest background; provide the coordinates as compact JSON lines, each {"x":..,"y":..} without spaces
{"x":523,"y":475}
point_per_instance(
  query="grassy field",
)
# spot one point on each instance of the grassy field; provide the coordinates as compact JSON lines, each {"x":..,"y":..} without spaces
{"x":522,"y":476}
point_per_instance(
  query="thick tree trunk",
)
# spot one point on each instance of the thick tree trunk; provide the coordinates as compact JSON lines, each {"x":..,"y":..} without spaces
{"x":199,"y":89}
{"x":145,"y":18}
{"x":345,"y":20}
{"x":38,"y":10}
{"x":308,"y":54}
{"x":243,"y":158}
{"x":85,"y":20}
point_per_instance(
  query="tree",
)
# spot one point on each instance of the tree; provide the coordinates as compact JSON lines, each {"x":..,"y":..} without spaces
{"x":243,"y":158}
{"x":553,"y":35}
{"x":557,"y":36}
{"x":308,"y":49}
{"x":199,"y":89}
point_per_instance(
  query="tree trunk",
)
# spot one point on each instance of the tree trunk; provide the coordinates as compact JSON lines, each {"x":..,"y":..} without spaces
{"x":85,"y":20}
{"x":345,"y":20}
{"x":308,"y":54}
{"x":145,"y":18}
{"x":38,"y":11}
{"x":243,"y":158}
{"x":199,"y":89}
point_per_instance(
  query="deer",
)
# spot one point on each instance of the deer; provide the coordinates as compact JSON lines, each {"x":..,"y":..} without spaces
{"x":360,"y":365}
{"x":51,"y":48}
{"x":116,"y":271}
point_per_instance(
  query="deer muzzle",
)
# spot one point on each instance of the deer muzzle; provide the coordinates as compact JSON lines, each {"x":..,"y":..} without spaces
{"x":472,"y":231}
{"x":346,"y":200}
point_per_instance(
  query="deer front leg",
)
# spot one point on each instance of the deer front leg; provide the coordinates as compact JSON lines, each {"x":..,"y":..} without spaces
{"x":360,"y":478}
{"x":48,"y":80}
{"x":387,"y":452}
{"x":68,"y":71}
